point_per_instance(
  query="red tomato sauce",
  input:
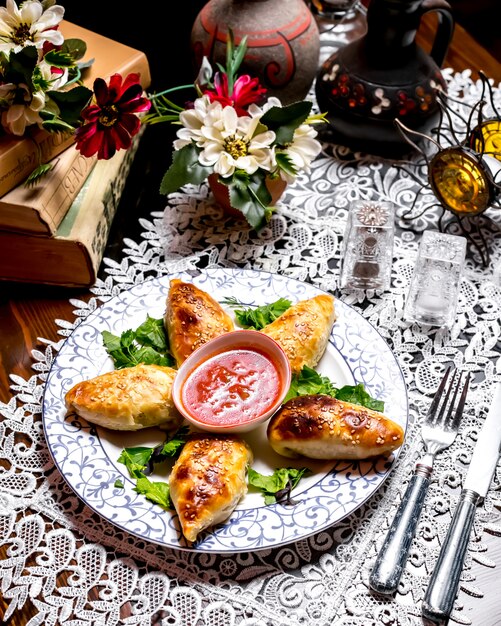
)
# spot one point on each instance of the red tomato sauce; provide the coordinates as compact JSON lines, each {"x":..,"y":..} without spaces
{"x":233,"y":387}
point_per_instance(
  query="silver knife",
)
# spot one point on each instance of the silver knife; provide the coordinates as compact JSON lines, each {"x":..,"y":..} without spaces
{"x":441,"y":593}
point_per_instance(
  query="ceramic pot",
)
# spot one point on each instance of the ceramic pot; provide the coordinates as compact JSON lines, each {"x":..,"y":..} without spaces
{"x":276,"y":187}
{"x":282,"y":42}
{"x":367,"y":84}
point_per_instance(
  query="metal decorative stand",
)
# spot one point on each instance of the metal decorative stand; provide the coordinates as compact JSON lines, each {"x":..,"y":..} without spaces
{"x":463,"y":172}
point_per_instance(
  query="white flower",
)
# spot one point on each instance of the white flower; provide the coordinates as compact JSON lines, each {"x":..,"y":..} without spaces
{"x":301,"y":151}
{"x":230,"y":143}
{"x":23,"y":107}
{"x":194,"y":120}
{"x":204,"y":73}
{"x":29,"y":24}
{"x":255,"y":111}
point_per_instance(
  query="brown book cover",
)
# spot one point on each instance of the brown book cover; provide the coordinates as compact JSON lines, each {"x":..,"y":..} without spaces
{"x":41,"y":208}
{"x":73,"y":255}
{"x":19,"y":156}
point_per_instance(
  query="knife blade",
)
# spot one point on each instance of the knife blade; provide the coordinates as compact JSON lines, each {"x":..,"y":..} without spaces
{"x":441,"y":592}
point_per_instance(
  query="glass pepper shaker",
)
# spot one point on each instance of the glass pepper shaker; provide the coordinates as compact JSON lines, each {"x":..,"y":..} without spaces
{"x":367,"y":251}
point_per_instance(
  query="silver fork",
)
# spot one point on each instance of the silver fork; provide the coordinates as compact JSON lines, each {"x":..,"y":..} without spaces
{"x":438,"y":432}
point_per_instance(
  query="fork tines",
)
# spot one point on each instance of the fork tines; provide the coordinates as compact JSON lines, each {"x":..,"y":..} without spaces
{"x":453,"y":387}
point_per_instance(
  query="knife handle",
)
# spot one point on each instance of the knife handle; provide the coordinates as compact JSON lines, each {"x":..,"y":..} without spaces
{"x":392,"y":557}
{"x":442,"y":588}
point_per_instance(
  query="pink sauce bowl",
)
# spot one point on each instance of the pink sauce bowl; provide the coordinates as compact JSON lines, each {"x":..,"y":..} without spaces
{"x":232,"y":383}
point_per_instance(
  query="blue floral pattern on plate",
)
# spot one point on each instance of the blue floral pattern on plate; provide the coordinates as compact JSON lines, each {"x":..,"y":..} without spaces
{"x":86,"y":455}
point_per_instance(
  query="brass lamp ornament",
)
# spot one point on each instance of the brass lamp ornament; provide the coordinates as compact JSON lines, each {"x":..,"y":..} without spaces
{"x":462,"y":176}
{"x":485,"y":138}
{"x":461,"y":181}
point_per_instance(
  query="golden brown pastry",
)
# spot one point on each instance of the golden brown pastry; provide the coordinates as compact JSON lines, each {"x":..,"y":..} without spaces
{"x":208,"y":480}
{"x":303,"y":330}
{"x":127,"y":399}
{"x":192,"y":318}
{"x":321,"y":427}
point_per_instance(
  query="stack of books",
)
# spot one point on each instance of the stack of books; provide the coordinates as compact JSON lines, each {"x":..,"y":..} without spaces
{"x":55,"y":232}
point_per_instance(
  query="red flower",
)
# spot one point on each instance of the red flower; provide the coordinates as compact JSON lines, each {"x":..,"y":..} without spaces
{"x":246,"y":90}
{"x":111,"y":122}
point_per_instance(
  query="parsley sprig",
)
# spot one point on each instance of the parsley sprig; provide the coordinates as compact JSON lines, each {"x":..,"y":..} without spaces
{"x":258,"y":317}
{"x":278,"y":486}
{"x":147,"y":344}
{"x":140,"y":462}
{"x":310,"y":382}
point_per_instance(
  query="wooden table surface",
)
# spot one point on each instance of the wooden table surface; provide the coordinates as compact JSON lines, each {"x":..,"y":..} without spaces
{"x":29,"y":312}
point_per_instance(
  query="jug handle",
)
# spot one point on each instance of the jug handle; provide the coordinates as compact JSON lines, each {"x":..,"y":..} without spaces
{"x":445,"y":28}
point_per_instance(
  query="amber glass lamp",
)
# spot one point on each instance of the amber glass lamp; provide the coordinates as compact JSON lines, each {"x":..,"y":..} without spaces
{"x":462,"y":175}
{"x":461,"y":181}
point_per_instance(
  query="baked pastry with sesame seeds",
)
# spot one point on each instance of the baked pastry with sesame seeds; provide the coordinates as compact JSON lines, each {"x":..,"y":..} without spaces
{"x":127,"y":399}
{"x":303,"y":330}
{"x":208,"y":480}
{"x":321,"y":427}
{"x":192,"y":318}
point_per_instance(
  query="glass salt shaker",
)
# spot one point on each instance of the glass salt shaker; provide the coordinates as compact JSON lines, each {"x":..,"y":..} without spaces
{"x":434,"y":289}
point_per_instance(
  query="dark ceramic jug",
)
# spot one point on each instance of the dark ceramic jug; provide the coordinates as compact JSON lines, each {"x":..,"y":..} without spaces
{"x":364,"y":86}
{"x":282,"y":42}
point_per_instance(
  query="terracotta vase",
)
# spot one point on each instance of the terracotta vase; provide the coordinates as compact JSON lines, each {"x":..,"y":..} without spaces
{"x":276,"y":187}
{"x":282,"y":42}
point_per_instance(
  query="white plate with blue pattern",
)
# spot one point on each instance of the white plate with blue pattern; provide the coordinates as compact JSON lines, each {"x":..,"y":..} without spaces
{"x":87,"y":455}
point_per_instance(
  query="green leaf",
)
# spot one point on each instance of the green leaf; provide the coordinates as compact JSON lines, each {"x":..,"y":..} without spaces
{"x":140,"y":460}
{"x":118,"y":348}
{"x":310,"y":382}
{"x":127,"y":338}
{"x":152,"y":333}
{"x":37,"y":174}
{"x":57,"y":125}
{"x":58,"y":58}
{"x":284,"y":120}
{"x":260,"y":316}
{"x":76,"y":48}
{"x":118,"y":484}
{"x":135,"y":459}
{"x":234,"y":58}
{"x":249,"y":194}
{"x":149,"y":356}
{"x":285,"y":163}
{"x":21,"y":66}
{"x":279,"y":485}
{"x":40,"y":83}
{"x":157,"y":492}
{"x":172,"y":447}
{"x":111,"y":341}
{"x":70,"y":103}
{"x":358,"y":395}
{"x":185,"y":169}
{"x":147,"y":344}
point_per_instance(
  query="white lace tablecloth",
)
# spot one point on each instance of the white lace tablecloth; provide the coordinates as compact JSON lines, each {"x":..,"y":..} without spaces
{"x":112,"y":578}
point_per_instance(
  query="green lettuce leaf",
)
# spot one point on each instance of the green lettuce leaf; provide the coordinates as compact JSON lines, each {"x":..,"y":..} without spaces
{"x":157,"y":492}
{"x":278,"y":486}
{"x":358,"y":395}
{"x":135,"y":459}
{"x":310,"y":382}
{"x":146,"y":344}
